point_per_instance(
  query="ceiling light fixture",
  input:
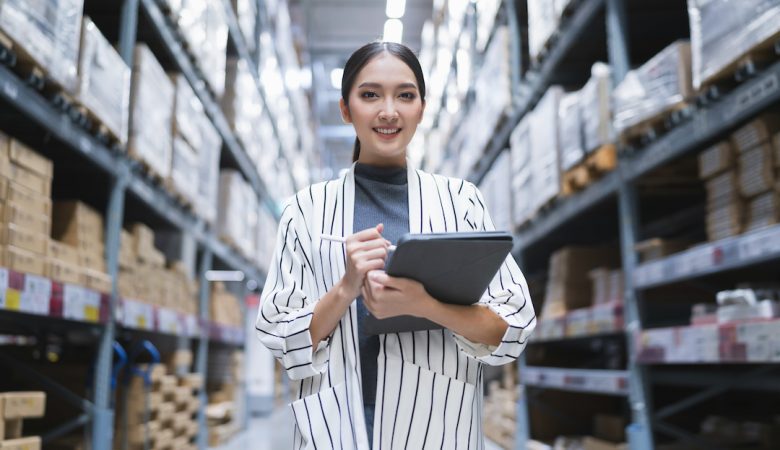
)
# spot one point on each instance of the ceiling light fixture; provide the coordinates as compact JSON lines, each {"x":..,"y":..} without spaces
{"x":394,"y":31}
{"x":395,"y":9}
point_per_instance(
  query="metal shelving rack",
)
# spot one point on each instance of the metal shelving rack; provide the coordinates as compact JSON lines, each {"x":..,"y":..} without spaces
{"x":126,"y":178}
{"x":707,"y":122}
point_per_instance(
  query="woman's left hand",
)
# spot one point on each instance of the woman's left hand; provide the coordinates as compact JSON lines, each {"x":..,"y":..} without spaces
{"x":385,"y":296}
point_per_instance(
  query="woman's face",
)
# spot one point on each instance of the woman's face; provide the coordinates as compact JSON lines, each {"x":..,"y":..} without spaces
{"x":385,"y":109}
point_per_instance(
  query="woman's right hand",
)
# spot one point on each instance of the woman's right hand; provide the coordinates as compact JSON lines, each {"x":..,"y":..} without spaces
{"x":366,"y":251}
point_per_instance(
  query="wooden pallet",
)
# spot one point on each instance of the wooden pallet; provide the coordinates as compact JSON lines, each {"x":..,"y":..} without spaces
{"x":650,"y":128}
{"x":145,"y":167}
{"x":85,"y":117}
{"x":743,"y":68}
{"x":27,"y":66}
{"x":182,"y":199}
{"x":593,"y":167}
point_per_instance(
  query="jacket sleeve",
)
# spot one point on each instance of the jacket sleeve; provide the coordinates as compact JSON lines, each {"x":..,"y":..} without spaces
{"x":286,"y":311}
{"x":507,"y":296}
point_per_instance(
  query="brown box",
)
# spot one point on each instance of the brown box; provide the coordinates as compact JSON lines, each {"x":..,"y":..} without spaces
{"x":74,"y":223}
{"x":179,"y":358}
{"x":26,"y":443}
{"x":715,"y":159}
{"x":22,"y":260}
{"x":756,"y":131}
{"x":5,"y":142}
{"x":657,"y":248}
{"x":756,"y":171}
{"x":609,"y":427}
{"x":722,"y":190}
{"x":725,"y":221}
{"x":591,"y":443}
{"x":97,"y":280}
{"x":14,"y":193}
{"x":763,"y":211}
{"x":23,"y":405}
{"x":568,"y":285}
{"x":63,"y":252}
{"x":21,"y":216}
{"x":30,"y":159}
{"x":12,"y":234}
{"x":143,"y":238}
{"x":191,"y":381}
{"x":34,"y":182}
{"x":10,"y":428}
{"x":92,"y":259}
{"x":64,"y":272}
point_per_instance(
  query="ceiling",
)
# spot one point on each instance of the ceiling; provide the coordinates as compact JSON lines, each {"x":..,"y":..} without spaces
{"x":328,"y":32}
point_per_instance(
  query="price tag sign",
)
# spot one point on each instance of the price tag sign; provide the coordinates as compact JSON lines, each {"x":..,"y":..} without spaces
{"x":168,"y":321}
{"x":191,"y":325}
{"x":3,"y":288}
{"x":138,"y":315}
{"x":80,"y":303}
{"x":36,"y":295}
{"x":756,"y":245}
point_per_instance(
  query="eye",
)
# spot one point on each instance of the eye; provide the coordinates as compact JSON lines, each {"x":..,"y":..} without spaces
{"x":369,"y":94}
{"x":408,"y":96}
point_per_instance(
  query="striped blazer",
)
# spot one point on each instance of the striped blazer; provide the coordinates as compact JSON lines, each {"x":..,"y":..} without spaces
{"x":429,"y":387}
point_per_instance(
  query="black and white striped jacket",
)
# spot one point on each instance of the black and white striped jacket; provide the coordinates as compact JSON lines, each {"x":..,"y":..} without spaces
{"x":429,"y":387}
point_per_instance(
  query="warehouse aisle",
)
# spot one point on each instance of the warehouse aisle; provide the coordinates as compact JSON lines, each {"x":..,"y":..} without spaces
{"x":271,"y":432}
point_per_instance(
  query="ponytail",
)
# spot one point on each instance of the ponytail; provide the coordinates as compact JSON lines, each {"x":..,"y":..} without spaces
{"x":356,"y":150}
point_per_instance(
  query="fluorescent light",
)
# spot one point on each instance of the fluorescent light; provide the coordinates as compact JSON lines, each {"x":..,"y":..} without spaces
{"x":395,"y":8}
{"x":335,"y":78}
{"x":394,"y":31}
{"x":224,"y":275}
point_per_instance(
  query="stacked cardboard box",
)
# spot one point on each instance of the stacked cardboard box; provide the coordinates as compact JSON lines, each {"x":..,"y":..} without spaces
{"x":496,"y":193}
{"x":226,"y":371}
{"x":195,"y":143}
{"x":104,"y":81}
{"x":25,"y":190}
{"x":568,"y":285}
{"x":144,"y":277}
{"x":658,"y":86}
{"x":500,"y":410}
{"x":76,"y":225}
{"x":522,"y":190}
{"x":570,"y":120}
{"x":596,"y":109}
{"x":162,"y":413}
{"x":545,"y":166}
{"x":542,"y":23}
{"x":266,"y":238}
{"x":151,"y":113}
{"x":238,"y":205}
{"x":204,"y":26}
{"x":721,"y":34}
{"x":607,"y":285}
{"x":15,"y":407}
{"x":225,"y":308}
{"x":48,"y":33}
{"x":725,"y":208}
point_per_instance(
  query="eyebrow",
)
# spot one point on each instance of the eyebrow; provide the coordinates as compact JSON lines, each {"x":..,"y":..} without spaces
{"x":377,"y":85}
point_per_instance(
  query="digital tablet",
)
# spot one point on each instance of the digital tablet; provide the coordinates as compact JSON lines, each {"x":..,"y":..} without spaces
{"x":454,"y":268}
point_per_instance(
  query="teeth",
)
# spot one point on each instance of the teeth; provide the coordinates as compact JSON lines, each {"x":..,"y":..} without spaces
{"x":386,"y":130}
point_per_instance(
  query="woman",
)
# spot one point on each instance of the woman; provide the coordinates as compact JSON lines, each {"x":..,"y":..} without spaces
{"x":403,"y":390}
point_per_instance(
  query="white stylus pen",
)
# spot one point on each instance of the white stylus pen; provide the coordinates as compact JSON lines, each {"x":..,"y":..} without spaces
{"x":329,"y":237}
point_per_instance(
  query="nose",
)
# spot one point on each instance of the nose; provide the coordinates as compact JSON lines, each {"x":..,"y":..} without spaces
{"x":388,"y":111}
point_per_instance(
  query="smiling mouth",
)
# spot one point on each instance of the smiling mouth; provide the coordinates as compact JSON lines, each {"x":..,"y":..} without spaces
{"x":387,"y":131}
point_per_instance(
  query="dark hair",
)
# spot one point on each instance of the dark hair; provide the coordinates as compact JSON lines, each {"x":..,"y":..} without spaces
{"x":363,"y":56}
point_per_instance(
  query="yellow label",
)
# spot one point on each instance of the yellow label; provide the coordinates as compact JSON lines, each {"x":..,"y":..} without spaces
{"x":91,"y":313}
{"x":141,"y":321}
{"x":13,"y":299}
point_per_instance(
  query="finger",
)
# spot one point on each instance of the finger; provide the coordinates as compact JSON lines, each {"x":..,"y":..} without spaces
{"x":373,"y":264}
{"x":386,"y":280}
{"x":377,"y":253}
{"x":368,"y":233}
{"x":357,"y":246}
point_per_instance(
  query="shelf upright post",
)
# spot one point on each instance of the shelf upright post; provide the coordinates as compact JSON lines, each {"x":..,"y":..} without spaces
{"x":515,"y":51}
{"x":128,"y":27}
{"x":523,"y":425}
{"x":201,"y":358}
{"x":617,"y":39}
{"x":103,"y":420}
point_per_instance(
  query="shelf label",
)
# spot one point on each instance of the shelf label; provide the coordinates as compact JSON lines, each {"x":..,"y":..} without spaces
{"x":80,"y":303}
{"x":759,"y":244}
{"x":137,"y":315}
{"x":191,"y":325}
{"x":168,"y":321}
{"x":36,"y":296}
{"x":4,"y":288}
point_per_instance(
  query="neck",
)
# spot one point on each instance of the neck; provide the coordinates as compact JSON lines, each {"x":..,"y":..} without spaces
{"x":381,"y":162}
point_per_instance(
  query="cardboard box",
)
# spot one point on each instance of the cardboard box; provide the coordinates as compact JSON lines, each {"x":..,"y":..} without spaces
{"x":21,"y":216}
{"x":64,"y":272}
{"x":5,"y":143}
{"x":23,"y":405}
{"x":31,"y":201}
{"x":756,"y":171}
{"x":763,"y":211}
{"x":27,"y":443}
{"x":98,"y":281}
{"x":22,"y":260}
{"x":63,"y":252}
{"x":31,"y":160}
{"x":722,"y":190}
{"x":756,"y":132}
{"x":591,"y":443}
{"x":10,"y":428}
{"x":92,"y":260}
{"x":657,"y":248}
{"x":12,"y":234}
{"x":74,"y":223}
{"x":716,"y":159}
{"x":30,"y":180}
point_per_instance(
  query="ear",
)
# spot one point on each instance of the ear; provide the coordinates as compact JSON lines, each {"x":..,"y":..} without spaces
{"x":345,"y":115}
{"x":422,"y":113}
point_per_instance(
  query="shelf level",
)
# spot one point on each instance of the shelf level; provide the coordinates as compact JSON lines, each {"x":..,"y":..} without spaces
{"x":737,"y":252}
{"x":609,"y":382}
{"x":755,"y":341}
